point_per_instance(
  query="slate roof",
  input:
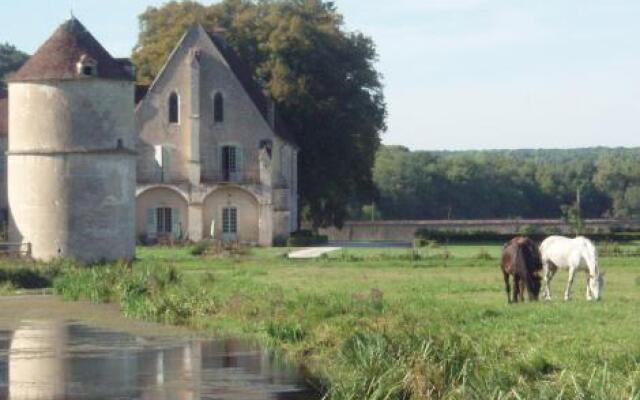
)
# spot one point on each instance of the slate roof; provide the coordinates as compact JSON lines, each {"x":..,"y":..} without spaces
{"x":56,"y":59}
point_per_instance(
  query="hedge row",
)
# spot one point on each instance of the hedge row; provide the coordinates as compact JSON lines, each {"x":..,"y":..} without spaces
{"x":443,"y":236}
{"x":305,"y":238}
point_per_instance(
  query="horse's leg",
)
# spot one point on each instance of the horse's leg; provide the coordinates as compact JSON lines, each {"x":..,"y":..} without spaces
{"x":516,"y":287}
{"x":572,"y":275}
{"x":530,"y":294}
{"x":589,"y":296}
{"x":549,"y":271}
{"x":546,"y":275}
{"x":506,"y":285}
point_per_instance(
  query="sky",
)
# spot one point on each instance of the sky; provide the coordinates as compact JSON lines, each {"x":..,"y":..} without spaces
{"x":458,"y":74}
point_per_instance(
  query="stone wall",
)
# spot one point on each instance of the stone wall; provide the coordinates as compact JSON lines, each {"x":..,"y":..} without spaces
{"x":71,"y":168}
{"x":73,"y":205}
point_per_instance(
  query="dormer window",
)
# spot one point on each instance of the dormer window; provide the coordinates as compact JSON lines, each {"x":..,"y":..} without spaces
{"x":87,"y":66}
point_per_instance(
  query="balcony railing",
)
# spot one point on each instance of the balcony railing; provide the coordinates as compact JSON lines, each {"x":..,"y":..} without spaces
{"x":246,"y":176}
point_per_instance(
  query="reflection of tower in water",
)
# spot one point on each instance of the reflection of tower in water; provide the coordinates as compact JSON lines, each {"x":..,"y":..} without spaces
{"x":173,"y":373}
{"x":36,"y":361}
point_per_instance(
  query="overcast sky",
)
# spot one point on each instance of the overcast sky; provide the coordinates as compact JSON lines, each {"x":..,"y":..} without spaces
{"x":458,"y":74}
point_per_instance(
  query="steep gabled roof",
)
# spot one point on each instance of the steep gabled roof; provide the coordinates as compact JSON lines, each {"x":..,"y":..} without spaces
{"x":4,"y":114}
{"x":56,"y":59}
{"x":255,"y":92}
{"x":241,"y":72}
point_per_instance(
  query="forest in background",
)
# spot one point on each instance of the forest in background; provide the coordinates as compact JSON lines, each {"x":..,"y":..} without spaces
{"x":504,"y":184}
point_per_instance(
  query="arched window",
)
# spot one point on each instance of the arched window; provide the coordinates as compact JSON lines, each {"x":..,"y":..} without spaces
{"x":174,"y":108}
{"x":218,"y":108}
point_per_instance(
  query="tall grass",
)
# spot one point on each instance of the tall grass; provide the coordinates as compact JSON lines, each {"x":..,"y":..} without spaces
{"x":149,"y":293}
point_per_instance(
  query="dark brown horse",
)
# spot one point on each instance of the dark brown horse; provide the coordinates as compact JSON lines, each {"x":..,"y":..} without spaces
{"x":521,"y":258}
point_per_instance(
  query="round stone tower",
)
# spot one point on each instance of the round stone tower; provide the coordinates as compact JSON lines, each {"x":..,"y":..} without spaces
{"x":71,"y":158}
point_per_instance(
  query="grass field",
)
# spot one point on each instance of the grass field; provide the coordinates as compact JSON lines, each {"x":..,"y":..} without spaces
{"x":394,"y":323}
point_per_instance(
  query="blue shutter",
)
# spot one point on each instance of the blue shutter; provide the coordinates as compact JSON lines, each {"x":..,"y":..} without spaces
{"x":176,"y":227}
{"x":152,"y":223}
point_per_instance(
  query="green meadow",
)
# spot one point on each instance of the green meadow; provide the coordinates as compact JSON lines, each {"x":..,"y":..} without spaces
{"x":378,"y":323}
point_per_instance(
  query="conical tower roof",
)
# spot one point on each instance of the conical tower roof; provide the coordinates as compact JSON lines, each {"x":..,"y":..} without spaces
{"x":57,"y":58}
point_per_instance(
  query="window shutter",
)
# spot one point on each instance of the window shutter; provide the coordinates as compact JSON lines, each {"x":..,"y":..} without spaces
{"x":176,"y":227}
{"x":220,"y":163}
{"x":239,"y":164}
{"x":239,"y":159}
{"x":152,"y":224}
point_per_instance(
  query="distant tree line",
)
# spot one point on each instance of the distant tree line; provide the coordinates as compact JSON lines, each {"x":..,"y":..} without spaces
{"x":504,"y":184}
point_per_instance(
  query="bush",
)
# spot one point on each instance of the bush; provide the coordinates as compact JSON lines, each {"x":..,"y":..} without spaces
{"x":28,"y":277}
{"x":304,"y":238}
{"x":200,"y":248}
{"x":280,"y":241}
{"x":420,"y":242}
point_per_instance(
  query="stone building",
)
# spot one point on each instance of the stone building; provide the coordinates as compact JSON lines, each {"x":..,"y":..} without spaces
{"x":71,"y":158}
{"x":214,"y":158}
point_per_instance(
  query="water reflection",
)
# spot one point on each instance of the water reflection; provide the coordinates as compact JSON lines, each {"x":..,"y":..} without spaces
{"x":57,"y":360}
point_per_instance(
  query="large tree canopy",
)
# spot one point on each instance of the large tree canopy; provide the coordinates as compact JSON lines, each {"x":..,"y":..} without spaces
{"x":321,"y":76}
{"x":11,"y":59}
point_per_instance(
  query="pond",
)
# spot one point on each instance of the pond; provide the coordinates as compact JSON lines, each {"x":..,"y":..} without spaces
{"x":55,"y":350}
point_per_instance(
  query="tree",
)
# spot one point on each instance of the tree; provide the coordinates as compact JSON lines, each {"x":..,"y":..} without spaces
{"x":11,"y":59}
{"x":321,"y":77}
{"x":618,"y":175}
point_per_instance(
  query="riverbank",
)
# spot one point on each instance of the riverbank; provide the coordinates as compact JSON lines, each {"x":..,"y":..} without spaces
{"x":392,"y":323}
{"x":55,"y":349}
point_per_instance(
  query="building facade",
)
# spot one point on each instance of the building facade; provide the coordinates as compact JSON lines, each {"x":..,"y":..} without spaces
{"x":214,"y":159}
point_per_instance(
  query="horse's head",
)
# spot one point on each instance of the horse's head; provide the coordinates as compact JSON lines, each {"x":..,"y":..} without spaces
{"x":535,"y":285}
{"x":596,"y":284}
{"x":533,"y":266}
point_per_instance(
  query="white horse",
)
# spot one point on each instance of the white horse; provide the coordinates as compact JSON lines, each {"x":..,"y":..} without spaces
{"x":571,"y":254}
